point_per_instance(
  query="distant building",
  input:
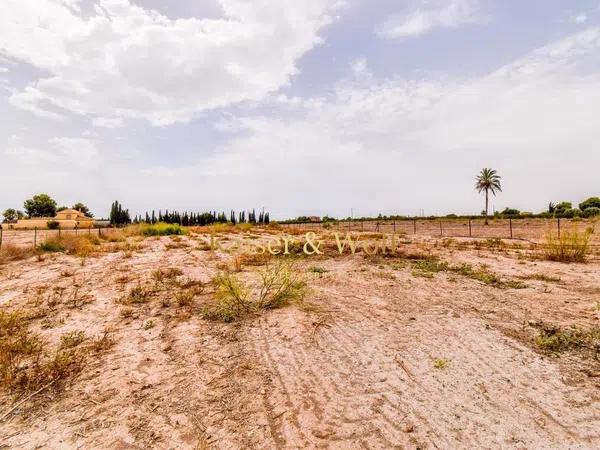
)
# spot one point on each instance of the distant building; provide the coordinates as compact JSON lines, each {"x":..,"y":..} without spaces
{"x":67,"y":218}
{"x":314,"y":218}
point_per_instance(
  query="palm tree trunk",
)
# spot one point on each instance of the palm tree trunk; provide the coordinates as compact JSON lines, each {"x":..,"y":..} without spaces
{"x":486,"y":206}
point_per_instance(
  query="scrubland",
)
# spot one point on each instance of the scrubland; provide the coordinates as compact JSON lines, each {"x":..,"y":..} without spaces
{"x":169,"y":337}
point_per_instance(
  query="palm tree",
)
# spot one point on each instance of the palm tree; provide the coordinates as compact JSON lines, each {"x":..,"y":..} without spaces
{"x":488,"y":180}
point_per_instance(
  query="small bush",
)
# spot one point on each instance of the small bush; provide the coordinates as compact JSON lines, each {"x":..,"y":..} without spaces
{"x":52,"y":225}
{"x":231,"y":299}
{"x":137,"y":295}
{"x":592,"y":211}
{"x":52,"y":246}
{"x":158,"y":229}
{"x":79,"y":245}
{"x":72,"y":339}
{"x":281,"y":285}
{"x":570,"y":246}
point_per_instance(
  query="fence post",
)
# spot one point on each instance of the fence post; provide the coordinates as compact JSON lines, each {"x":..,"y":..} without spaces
{"x":99,"y":231}
{"x":558,"y":222}
{"x":76,"y":226}
{"x":394,"y":226}
{"x":415,"y":226}
{"x":35,"y":237}
{"x":441,"y":229}
{"x":511,"y":229}
{"x":362,"y":225}
{"x":470,"y":230}
{"x":1,"y":236}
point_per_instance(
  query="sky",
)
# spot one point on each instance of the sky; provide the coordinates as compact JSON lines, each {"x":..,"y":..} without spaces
{"x":313,"y":107}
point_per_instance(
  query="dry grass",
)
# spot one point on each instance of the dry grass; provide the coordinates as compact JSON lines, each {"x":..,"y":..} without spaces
{"x":24,"y":363}
{"x":11,"y":252}
{"x":281,"y":285}
{"x":79,"y":245}
{"x":571,"y":246}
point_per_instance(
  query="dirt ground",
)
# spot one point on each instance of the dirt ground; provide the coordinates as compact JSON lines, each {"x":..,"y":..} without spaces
{"x":381,"y":354}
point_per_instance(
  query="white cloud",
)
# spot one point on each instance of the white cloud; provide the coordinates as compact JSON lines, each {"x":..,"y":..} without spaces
{"x":3,"y":69}
{"x":423,"y":17}
{"x":579,"y":19}
{"x":534,"y":120}
{"x":124,"y":61}
{"x":59,"y":153}
{"x":104,"y":122}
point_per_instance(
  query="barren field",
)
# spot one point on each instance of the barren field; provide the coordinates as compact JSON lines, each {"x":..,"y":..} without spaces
{"x":447,"y":343}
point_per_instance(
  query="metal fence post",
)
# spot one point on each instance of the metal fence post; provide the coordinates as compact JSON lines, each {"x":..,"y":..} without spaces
{"x":1,"y":236}
{"x":415,"y":226}
{"x":394,"y":226}
{"x":470,"y":229}
{"x":35,"y":237}
{"x":59,"y":231}
{"x":558,"y":222}
{"x":511,"y":228}
{"x":441,"y":229}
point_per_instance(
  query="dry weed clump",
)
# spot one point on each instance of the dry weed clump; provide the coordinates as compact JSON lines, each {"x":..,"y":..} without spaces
{"x":11,"y":252}
{"x":570,"y":246}
{"x":279,"y":285}
{"x":165,"y":284}
{"x":79,"y":245}
{"x":25,"y":365}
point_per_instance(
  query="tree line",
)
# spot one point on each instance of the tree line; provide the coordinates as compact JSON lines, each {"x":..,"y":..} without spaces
{"x":121,"y":216}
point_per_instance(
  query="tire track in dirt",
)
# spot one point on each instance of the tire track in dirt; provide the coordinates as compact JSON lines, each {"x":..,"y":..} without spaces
{"x":377,"y":388}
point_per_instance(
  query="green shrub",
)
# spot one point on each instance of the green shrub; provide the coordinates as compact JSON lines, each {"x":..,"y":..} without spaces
{"x":52,"y":225}
{"x":570,"y":213}
{"x":510,"y":212}
{"x":592,"y":211}
{"x":592,"y":202}
{"x":161,"y":229}
{"x":52,"y":246}
{"x":231,"y":299}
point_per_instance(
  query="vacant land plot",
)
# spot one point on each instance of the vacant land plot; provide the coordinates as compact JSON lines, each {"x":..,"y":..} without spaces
{"x":175,"y":342}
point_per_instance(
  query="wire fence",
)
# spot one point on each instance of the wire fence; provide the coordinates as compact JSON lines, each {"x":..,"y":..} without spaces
{"x":534,"y":230}
{"x":32,"y":238}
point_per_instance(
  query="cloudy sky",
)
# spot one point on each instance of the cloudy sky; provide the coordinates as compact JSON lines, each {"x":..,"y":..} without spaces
{"x":305,"y":107}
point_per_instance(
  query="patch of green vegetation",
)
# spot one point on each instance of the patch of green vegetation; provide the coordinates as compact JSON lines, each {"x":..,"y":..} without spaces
{"x":52,"y":247}
{"x":318,"y":270}
{"x":557,"y":340}
{"x":72,"y":339}
{"x":541,"y":277}
{"x":441,"y":363}
{"x":161,"y":229}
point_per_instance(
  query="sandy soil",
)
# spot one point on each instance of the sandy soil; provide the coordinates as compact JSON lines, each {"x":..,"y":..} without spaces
{"x":379,"y":357}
